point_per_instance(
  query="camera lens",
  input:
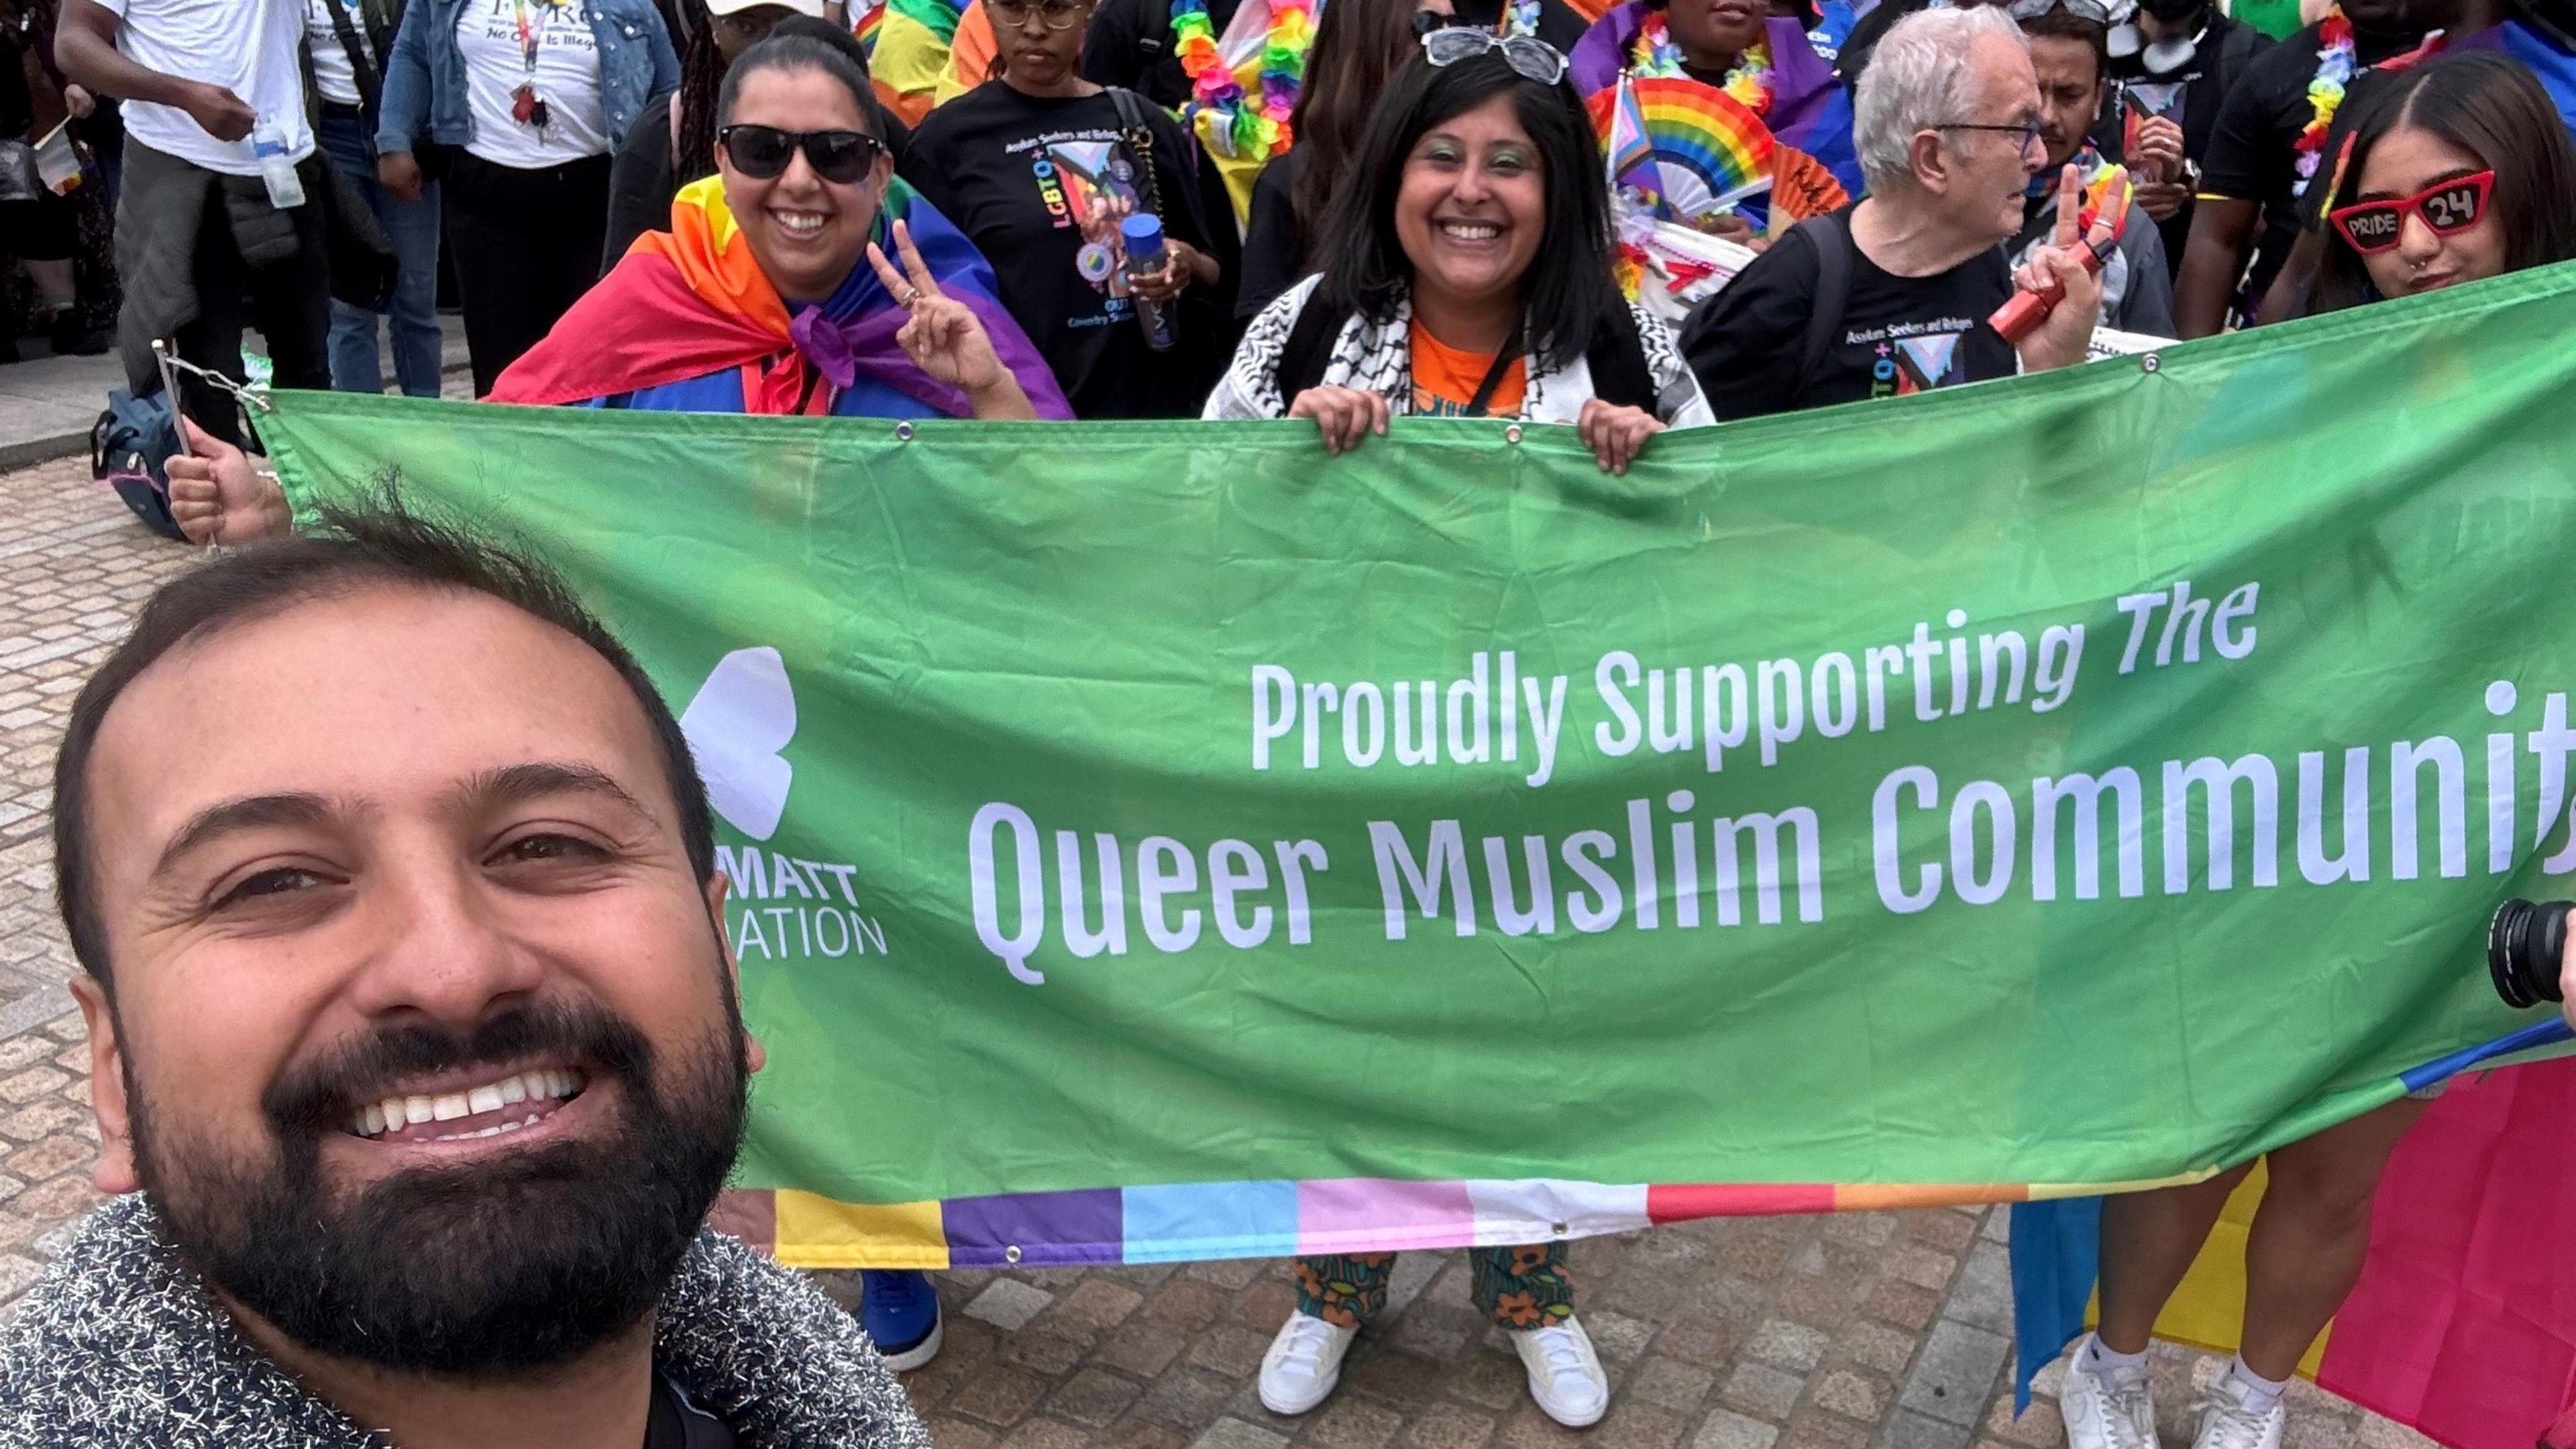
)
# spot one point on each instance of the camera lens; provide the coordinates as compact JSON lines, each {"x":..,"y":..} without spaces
{"x":2525,"y":943}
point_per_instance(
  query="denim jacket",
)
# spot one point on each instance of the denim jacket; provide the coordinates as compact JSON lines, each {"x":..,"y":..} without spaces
{"x":425,"y":76}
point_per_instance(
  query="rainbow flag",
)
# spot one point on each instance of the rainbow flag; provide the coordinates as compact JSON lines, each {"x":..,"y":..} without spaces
{"x":909,"y":56}
{"x":1690,"y":150}
{"x":2464,"y":1322}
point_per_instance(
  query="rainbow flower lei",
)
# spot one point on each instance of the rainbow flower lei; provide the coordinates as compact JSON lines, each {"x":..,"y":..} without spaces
{"x":1245,"y":125}
{"x":2335,"y":65}
{"x":1748,"y":83}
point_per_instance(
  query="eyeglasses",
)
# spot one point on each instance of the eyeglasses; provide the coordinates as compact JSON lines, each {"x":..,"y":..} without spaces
{"x":763,"y":152}
{"x":1054,"y":14}
{"x":2090,"y":10}
{"x":2447,"y":207}
{"x":2028,"y":131}
{"x":1534,"y":60}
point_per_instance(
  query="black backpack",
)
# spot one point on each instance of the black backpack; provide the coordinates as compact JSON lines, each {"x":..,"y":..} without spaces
{"x":1616,"y":357}
{"x":129,"y":446}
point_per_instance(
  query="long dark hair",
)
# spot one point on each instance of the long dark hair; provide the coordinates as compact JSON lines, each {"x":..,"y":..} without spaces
{"x":1568,"y":289}
{"x":2489,"y":106}
{"x":702,"y":68}
{"x":1358,"y":44}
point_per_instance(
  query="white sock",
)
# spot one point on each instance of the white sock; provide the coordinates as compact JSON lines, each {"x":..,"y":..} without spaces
{"x":2258,"y":1392}
{"x":2099,"y":1360}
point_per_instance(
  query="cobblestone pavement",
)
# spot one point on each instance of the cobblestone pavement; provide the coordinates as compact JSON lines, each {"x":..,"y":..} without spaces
{"x":1858,"y":1331}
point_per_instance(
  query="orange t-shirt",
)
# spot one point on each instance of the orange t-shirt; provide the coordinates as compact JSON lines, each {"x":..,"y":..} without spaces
{"x":1445,"y":379}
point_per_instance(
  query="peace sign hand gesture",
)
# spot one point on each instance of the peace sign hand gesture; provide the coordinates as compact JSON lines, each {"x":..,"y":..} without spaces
{"x":944,"y":337}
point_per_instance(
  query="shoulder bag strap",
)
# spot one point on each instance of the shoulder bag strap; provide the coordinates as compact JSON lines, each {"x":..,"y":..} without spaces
{"x":370,"y":88}
{"x":1831,"y":237}
{"x":1139,"y":131}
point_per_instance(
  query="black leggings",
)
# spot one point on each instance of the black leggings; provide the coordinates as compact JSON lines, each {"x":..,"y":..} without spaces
{"x":525,"y":246}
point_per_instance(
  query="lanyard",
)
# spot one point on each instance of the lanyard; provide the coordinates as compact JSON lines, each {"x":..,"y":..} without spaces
{"x":1503,"y":361}
{"x":530,"y":39}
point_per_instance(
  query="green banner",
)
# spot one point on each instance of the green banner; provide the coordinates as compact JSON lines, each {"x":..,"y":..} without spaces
{"x":2087,"y":778}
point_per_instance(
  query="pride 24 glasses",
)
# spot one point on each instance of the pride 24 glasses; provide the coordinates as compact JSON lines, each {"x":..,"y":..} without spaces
{"x":2450,"y":206}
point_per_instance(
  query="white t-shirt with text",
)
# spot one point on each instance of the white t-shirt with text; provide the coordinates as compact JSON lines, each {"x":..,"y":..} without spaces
{"x":245,"y":46}
{"x":332,"y":73}
{"x":494,"y":37}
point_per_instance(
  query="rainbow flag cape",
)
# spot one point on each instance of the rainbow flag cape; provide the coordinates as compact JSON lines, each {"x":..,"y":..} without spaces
{"x":692,"y":300}
{"x":2464,"y":1322}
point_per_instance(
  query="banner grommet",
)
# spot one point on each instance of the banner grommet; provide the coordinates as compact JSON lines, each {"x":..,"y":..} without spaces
{"x":2150,"y":363}
{"x":903,"y":432}
{"x":1512,"y":434}
{"x":1011,"y":1254}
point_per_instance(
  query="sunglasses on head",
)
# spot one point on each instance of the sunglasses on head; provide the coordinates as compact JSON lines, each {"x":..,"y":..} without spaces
{"x":1534,"y":60}
{"x":2449,"y":206}
{"x":763,"y":152}
{"x":2093,"y":11}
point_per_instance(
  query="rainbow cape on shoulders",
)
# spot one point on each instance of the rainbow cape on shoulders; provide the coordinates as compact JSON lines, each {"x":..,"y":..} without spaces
{"x":693,"y":300}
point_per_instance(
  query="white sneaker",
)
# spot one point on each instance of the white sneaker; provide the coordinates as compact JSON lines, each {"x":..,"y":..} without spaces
{"x":1303,"y":1364}
{"x":2225,"y":1422}
{"x":2102,"y":1413}
{"x":1564,"y":1373}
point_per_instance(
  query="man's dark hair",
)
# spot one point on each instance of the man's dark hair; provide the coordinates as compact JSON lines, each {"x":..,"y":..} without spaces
{"x":381,"y":542}
{"x":2064,"y":24}
{"x":1569,"y":292}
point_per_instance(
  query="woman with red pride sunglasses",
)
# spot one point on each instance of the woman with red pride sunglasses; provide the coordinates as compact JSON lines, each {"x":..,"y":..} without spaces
{"x":2455,"y":171}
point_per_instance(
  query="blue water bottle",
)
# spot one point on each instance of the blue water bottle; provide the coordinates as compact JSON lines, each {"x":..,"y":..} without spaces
{"x":1143,"y":235}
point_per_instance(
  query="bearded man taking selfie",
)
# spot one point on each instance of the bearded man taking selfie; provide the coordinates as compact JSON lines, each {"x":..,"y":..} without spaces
{"x":414,"y":1039}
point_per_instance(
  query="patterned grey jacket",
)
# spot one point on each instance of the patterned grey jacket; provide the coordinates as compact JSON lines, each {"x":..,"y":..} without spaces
{"x":120,"y":1344}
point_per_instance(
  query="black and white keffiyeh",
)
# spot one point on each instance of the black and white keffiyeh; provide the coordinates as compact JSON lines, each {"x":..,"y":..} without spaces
{"x":1378,"y":357}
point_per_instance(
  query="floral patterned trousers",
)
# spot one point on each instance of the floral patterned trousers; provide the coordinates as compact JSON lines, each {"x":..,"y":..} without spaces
{"x":1522,"y":1288}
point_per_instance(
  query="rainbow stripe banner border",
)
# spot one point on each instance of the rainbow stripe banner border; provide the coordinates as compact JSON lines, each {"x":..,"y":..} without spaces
{"x":1189,"y":1222}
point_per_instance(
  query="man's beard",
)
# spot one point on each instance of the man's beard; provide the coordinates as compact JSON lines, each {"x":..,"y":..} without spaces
{"x":497,"y":1269}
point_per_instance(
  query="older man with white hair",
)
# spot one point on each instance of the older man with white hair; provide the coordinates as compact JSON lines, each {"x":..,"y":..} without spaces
{"x":1891,"y":296}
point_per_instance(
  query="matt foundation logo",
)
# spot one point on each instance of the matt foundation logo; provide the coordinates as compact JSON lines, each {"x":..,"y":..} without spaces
{"x":739,"y":724}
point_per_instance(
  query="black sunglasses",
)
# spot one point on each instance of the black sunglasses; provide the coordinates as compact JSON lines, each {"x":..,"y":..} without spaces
{"x":762,"y":152}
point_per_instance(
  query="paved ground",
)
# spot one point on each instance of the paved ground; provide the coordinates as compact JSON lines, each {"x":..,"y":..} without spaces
{"x":1860,"y":1331}
{"x":48,"y":403}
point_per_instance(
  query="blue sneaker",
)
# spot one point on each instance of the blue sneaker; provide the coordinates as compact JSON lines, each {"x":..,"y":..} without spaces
{"x":900,"y":1311}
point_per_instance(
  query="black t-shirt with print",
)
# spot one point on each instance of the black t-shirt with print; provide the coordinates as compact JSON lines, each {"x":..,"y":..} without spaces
{"x":2252,"y":157}
{"x":1898,"y":335}
{"x":1038,"y":184}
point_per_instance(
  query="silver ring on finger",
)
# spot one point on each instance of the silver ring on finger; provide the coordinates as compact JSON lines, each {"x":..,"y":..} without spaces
{"x":910,"y":296}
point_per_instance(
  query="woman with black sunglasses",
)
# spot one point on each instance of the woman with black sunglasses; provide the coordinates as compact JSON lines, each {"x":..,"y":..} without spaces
{"x":1044,"y":171}
{"x":801,"y":278}
{"x":2459,"y":170}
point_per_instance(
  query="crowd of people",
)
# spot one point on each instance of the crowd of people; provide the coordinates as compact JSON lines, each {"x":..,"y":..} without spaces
{"x":1442,"y":208}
